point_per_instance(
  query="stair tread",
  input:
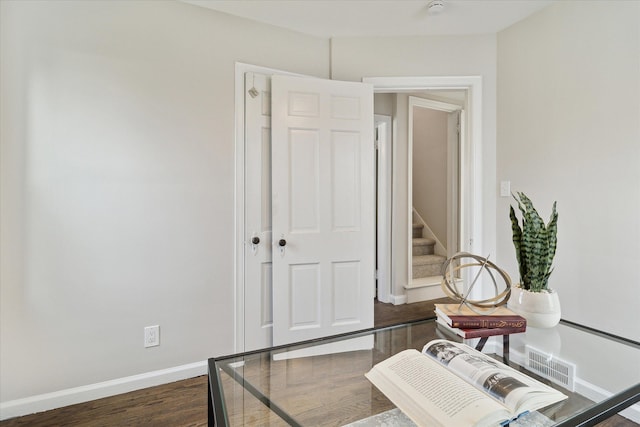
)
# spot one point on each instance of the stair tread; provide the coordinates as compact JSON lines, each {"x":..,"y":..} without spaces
{"x":420,"y":282}
{"x":423,"y":241}
{"x":428,"y":259}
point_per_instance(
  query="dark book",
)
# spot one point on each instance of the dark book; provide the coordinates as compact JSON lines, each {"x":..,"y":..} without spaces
{"x":479,"y":332}
{"x":465,"y":318}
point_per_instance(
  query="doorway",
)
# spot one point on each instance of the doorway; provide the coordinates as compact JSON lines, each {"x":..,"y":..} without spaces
{"x":470,"y":176}
{"x":396,"y":279}
{"x":435,"y":135}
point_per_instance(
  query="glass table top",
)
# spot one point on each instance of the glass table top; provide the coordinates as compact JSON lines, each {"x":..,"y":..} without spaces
{"x":322,"y":383}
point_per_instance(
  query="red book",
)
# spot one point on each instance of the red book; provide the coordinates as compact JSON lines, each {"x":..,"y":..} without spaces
{"x":465,"y":318}
{"x":480,"y":332}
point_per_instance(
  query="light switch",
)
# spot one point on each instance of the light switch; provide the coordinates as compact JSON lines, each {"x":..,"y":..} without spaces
{"x":505,"y":188}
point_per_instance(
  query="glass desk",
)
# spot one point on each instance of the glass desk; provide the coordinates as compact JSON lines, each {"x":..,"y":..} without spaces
{"x":322,"y":383}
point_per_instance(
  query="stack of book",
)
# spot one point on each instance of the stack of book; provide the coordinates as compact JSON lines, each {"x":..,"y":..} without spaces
{"x":464,"y":322}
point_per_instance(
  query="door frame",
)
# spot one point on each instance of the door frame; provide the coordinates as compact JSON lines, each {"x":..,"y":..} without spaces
{"x":471,"y":181}
{"x":453,"y":174}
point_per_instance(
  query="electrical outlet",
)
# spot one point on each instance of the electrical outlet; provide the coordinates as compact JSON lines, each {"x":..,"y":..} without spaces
{"x":152,"y":336}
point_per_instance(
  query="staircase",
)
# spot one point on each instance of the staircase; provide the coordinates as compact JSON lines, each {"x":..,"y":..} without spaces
{"x":426,"y":269}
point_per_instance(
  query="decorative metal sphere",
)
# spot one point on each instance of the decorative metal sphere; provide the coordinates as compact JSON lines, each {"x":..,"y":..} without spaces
{"x":450,"y":285}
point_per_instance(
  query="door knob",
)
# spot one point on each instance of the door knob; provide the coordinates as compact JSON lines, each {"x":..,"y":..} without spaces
{"x":282,"y":242}
{"x":255,"y":240}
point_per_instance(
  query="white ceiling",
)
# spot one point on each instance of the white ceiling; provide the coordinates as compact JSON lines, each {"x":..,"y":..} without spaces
{"x":366,"y":18}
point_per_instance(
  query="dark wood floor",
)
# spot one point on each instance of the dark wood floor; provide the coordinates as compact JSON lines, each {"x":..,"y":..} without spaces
{"x":184,"y":403}
{"x":389,"y":314}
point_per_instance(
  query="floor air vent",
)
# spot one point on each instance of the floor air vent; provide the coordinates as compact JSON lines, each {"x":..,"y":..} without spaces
{"x":551,"y":368}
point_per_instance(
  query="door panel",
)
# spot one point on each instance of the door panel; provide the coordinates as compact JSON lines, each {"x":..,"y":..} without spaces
{"x":323,"y":207}
{"x":305,"y":295}
{"x":346,"y":290}
{"x":304,"y":179}
{"x":345,"y":181}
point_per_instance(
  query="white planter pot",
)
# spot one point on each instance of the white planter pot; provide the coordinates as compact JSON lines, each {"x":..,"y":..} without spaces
{"x":541,"y":309}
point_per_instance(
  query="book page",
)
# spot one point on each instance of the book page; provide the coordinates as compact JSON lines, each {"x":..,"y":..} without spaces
{"x":464,"y":310}
{"x":431,"y":395}
{"x":515,"y":390}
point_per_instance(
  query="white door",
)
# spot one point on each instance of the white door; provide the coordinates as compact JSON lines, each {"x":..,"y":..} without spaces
{"x":323,"y":210}
{"x":257,"y":216}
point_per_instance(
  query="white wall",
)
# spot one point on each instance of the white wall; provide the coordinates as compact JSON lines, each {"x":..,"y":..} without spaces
{"x":355,"y":58}
{"x":569,"y":130}
{"x":118,"y":184}
{"x":430,"y":168}
{"x":117,"y":156}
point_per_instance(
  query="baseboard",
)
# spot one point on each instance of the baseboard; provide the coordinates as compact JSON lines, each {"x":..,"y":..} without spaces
{"x":71,"y":396}
{"x":597,"y":394}
{"x":424,"y":289}
{"x":397,"y":299}
{"x":586,"y":389}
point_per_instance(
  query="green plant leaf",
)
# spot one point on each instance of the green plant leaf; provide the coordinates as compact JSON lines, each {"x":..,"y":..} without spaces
{"x":517,"y":241}
{"x":535,"y":243}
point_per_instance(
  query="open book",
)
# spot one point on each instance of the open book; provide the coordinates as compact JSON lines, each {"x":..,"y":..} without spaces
{"x":450,"y":384}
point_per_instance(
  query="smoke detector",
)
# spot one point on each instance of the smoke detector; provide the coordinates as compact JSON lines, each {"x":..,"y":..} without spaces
{"x":435,"y":7}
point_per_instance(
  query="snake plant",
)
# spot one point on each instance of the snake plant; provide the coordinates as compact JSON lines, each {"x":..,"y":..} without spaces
{"x":535,"y":244}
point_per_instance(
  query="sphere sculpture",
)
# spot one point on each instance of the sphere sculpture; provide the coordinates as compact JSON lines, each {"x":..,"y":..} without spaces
{"x":451,"y":270}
